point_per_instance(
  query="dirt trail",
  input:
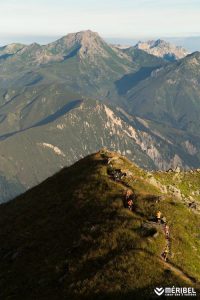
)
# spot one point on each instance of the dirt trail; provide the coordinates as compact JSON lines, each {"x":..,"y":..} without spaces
{"x":172,"y":267}
{"x":175,"y":269}
{"x":178,"y":271}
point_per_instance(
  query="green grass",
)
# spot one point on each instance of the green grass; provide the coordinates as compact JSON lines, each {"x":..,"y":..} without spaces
{"x":71,"y":237}
{"x":187,"y":182}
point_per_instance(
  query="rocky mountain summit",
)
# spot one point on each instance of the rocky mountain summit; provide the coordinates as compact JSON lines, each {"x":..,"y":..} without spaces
{"x":88,"y":43}
{"x":10,"y":50}
{"x":163,"y":49}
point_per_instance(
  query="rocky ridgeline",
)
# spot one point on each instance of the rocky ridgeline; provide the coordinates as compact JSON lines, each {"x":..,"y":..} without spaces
{"x":163,"y":49}
{"x":174,"y":183}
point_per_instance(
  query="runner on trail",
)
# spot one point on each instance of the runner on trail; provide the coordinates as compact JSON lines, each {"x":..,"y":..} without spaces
{"x":158,"y":217}
{"x":129,"y":197}
{"x":130,"y":204}
{"x":166,"y":228}
{"x":165,"y":253}
{"x":128,"y":194}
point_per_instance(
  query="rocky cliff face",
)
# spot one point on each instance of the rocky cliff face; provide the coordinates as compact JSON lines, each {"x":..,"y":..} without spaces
{"x":63,"y":139}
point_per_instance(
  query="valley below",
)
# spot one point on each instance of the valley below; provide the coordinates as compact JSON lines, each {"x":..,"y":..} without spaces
{"x":62,"y":101}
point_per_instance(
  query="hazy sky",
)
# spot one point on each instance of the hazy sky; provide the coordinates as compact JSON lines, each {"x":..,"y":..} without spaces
{"x":111,"y":18}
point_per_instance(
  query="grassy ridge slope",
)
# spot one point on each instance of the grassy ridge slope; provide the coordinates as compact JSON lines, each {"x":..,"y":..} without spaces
{"x":71,"y":237}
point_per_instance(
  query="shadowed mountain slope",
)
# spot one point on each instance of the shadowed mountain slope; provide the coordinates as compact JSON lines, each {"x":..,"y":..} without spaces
{"x":171,"y":95}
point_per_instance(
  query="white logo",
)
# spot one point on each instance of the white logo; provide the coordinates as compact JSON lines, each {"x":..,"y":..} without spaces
{"x":175,"y":291}
{"x":159,"y":291}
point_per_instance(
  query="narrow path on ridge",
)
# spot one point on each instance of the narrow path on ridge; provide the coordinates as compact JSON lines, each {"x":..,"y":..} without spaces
{"x":167,"y":264}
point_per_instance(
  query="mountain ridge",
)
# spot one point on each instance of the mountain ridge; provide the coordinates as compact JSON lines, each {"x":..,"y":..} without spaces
{"x":73,"y":233}
{"x":177,"y":93}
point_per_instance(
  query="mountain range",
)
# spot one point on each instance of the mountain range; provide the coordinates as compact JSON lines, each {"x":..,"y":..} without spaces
{"x":62,"y":101}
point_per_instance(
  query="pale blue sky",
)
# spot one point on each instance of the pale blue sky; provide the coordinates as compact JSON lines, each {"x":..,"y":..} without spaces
{"x":111,"y":18}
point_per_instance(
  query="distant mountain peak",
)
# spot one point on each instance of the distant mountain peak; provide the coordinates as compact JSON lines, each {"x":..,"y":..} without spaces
{"x":87,"y":42}
{"x":85,"y":34}
{"x":81,"y":36}
{"x":160,"y":42}
{"x":162,"y":49}
{"x":11,"y":48}
{"x":83,"y":44}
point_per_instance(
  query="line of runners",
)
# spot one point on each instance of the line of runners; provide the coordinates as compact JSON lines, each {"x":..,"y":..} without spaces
{"x":118,"y":175}
{"x":161,"y":220}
